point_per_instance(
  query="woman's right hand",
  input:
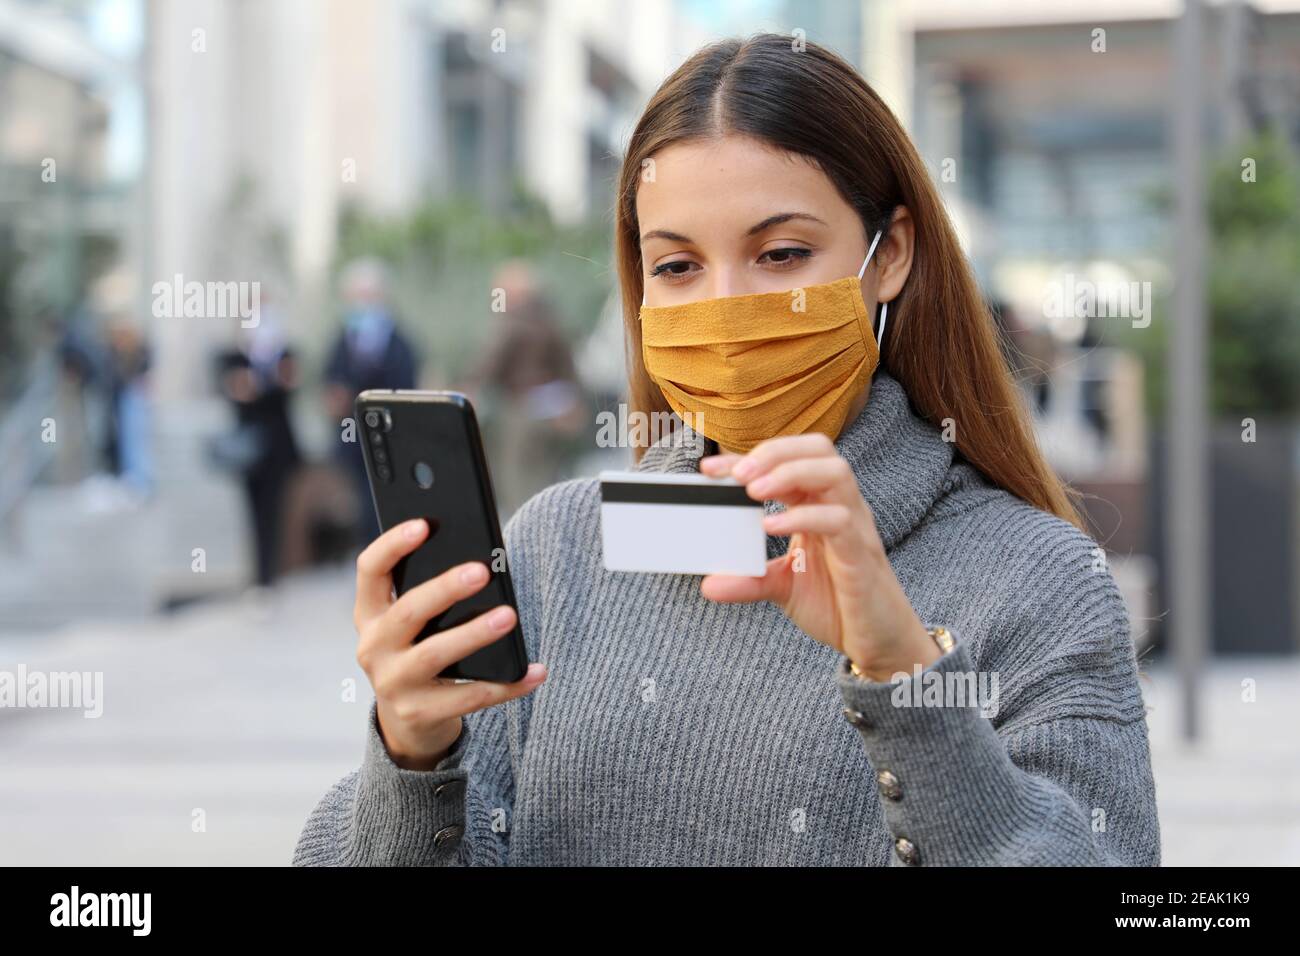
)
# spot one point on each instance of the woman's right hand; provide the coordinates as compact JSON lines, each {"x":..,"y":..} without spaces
{"x":420,"y":713}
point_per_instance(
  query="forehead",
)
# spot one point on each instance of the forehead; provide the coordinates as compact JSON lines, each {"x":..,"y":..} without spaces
{"x":731,"y":180}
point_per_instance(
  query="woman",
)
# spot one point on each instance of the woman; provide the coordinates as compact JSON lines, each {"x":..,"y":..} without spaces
{"x":775,"y":219}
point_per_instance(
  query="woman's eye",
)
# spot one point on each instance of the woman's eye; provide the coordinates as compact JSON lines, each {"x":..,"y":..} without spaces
{"x":785,"y":258}
{"x":673,"y":271}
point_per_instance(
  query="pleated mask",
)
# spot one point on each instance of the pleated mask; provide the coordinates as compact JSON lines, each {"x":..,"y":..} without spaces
{"x":742,"y":369}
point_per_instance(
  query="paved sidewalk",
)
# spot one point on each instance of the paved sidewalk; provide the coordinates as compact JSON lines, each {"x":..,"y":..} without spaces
{"x":239,"y":713}
{"x":1234,"y":799}
{"x":223,"y":708}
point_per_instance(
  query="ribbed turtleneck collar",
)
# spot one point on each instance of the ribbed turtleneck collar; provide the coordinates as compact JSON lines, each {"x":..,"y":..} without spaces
{"x":899,"y":459}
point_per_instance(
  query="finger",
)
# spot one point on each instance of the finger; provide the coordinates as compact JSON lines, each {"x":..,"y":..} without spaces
{"x":436,"y":653}
{"x":399,"y":625}
{"x":718,"y":465}
{"x":435,"y":703}
{"x":734,"y":589}
{"x":376,"y":562}
{"x":828,"y":520}
{"x":805,"y":476}
{"x":765,"y":456}
{"x":458,"y":700}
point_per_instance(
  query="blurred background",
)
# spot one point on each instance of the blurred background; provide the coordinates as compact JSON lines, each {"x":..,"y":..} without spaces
{"x":178,"y":514}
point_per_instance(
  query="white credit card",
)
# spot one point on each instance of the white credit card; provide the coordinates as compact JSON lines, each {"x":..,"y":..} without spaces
{"x":653,"y":522}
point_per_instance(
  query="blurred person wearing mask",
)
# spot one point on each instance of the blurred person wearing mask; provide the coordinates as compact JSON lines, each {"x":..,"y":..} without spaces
{"x":530,"y":368}
{"x":259,"y":377}
{"x":370,"y":352}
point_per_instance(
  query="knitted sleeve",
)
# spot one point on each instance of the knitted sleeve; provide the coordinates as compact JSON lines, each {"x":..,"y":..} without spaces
{"x":1029,"y":750}
{"x":457,"y":814}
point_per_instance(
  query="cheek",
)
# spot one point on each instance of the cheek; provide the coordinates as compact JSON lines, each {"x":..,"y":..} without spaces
{"x":825,"y":267}
{"x":697,"y":289}
{"x":839,"y":264}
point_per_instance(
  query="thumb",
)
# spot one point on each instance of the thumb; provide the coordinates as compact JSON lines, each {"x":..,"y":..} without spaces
{"x":774,"y":586}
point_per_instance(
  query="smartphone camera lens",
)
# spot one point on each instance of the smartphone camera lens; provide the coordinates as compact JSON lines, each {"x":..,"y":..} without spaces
{"x":378,"y":421}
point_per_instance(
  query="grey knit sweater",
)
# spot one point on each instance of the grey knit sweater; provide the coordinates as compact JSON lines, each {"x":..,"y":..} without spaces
{"x":673,"y":730}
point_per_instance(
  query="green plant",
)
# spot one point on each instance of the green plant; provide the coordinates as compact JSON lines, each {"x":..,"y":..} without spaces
{"x":1252,"y":287}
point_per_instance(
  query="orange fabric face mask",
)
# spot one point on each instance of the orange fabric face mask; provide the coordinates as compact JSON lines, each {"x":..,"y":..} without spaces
{"x":745,"y":368}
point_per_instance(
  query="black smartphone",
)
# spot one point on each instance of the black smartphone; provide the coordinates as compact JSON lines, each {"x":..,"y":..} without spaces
{"x":424,"y":458}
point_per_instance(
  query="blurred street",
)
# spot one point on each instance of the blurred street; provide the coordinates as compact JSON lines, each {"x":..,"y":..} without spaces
{"x":255,"y":730}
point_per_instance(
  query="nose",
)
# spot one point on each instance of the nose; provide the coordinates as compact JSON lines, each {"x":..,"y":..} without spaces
{"x":728,"y":281}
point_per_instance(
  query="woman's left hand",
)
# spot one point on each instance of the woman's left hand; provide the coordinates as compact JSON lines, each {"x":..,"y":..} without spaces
{"x":834,"y":581}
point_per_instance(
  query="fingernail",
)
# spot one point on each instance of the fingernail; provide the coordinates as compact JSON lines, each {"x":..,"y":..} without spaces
{"x":414,"y":528}
{"x":500,"y":619}
{"x":472,"y":574}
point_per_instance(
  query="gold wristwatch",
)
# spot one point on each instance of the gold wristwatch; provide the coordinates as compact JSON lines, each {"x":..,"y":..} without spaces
{"x":940,"y":635}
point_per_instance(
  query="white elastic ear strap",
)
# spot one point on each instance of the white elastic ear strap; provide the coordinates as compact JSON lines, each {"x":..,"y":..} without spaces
{"x":863,"y":270}
{"x":884,"y":306}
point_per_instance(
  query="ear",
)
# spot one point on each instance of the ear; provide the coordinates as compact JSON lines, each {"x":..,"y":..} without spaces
{"x":894,"y":255}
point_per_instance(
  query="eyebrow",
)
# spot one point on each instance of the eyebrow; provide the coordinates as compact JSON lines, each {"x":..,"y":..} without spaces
{"x":754,"y":230}
{"x":781,"y":217}
{"x":664,"y":234}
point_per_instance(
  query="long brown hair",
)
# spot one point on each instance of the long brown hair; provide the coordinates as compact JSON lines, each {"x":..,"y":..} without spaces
{"x":942,"y":346}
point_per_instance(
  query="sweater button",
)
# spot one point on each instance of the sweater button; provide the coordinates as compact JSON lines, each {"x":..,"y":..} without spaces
{"x":442,"y":788}
{"x":856,"y":717}
{"x":448,"y":835}
{"x":907,"y":851}
{"x":889,"y":786}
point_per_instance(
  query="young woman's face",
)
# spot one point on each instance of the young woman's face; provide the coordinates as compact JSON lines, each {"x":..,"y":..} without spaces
{"x":733,"y":216}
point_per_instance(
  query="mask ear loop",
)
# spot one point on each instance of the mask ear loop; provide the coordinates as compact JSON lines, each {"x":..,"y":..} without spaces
{"x":884,"y":306}
{"x":870,"y":253}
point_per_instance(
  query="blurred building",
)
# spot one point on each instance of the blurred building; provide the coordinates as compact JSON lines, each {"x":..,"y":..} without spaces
{"x":69,"y":171}
{"x":222,"y":140}
{"x":71,"y":196}
{"x":1047,"y":127}
{"x":298,"y":107}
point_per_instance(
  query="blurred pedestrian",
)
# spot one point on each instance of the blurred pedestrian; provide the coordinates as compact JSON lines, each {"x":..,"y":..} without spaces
{"x":370,"y":352}
{"x":129,"y":443}
{"x":81,"y":407}
{"x":259,"y":378}
{"x":530,"y":370}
